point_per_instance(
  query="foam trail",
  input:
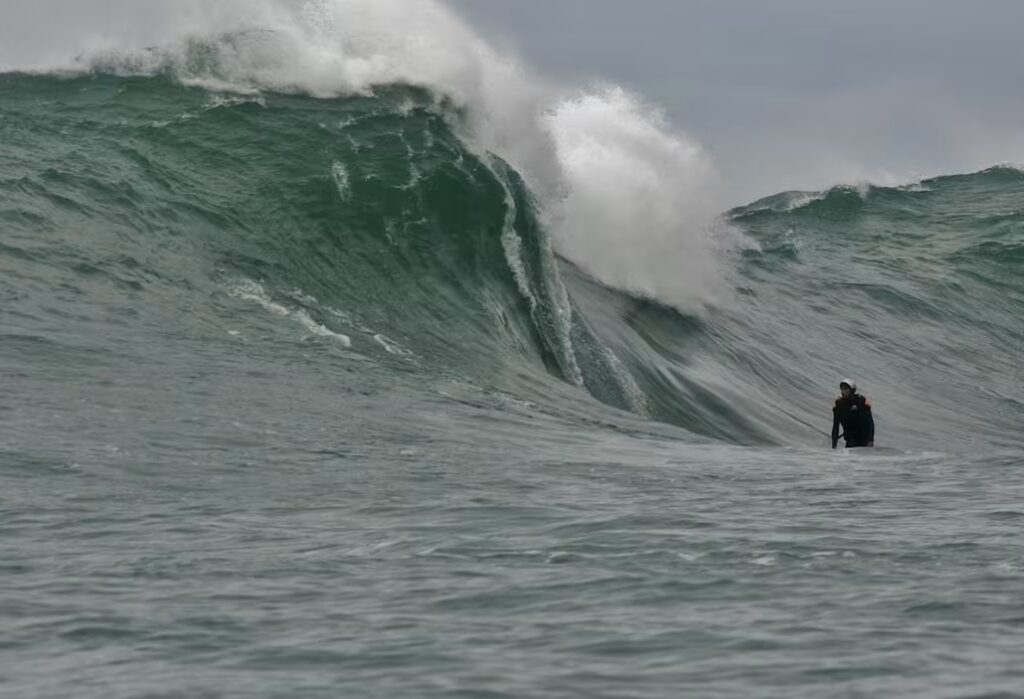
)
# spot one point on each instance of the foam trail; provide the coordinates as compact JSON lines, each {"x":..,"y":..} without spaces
{"x":625,"y":197}
{"x":249,"y":290}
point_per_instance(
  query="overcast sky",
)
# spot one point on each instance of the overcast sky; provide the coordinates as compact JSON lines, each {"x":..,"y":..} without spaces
{"x":797,"y":93}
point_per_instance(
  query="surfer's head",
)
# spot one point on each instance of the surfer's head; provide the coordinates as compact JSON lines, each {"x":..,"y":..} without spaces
{"x":847,"y":387}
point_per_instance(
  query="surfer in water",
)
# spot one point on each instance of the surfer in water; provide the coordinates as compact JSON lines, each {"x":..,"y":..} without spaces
{"x":853,"y":412}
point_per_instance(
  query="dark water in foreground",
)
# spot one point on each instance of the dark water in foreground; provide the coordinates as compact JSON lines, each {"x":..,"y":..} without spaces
{"x":298,"y":402}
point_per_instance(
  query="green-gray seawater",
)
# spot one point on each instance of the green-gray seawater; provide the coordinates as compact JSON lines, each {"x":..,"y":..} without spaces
{"x":297,"y":401}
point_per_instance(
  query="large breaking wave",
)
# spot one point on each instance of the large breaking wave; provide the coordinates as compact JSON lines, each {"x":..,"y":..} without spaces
{"x":373,"y":177}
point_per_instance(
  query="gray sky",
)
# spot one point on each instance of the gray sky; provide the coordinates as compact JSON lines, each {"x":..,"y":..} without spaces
{"x":797,"y":93}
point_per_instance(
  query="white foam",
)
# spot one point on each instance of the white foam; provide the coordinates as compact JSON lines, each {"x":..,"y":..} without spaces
{"x":634,"y":395}
{"x":339,"y":173}
{"x":801,"y":199}
{"x":249,"y":290}
{"x":557,"y":294}
{"x":315,"y":328}
{"x":303,"y":298}
{"x":390,"y":346}
{"x":640,"y":199}
{"x":303,"y":316}
{"x":222,"y":101}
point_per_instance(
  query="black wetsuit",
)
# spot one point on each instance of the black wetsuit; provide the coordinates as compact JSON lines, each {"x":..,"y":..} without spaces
{"x":854,"y":415}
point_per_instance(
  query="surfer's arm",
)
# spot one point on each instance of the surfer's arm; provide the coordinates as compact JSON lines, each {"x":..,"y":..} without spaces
{"x":835,"y":427}
{"x":870,"y":423}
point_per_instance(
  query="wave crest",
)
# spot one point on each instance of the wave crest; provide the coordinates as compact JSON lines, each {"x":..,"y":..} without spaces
{"x":625,"y":196}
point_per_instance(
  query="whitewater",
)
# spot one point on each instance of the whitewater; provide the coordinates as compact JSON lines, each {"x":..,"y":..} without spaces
{"x":343,"y":355}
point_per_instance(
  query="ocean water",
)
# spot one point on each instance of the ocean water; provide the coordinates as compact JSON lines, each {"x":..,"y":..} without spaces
{"x":319,"y":390}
